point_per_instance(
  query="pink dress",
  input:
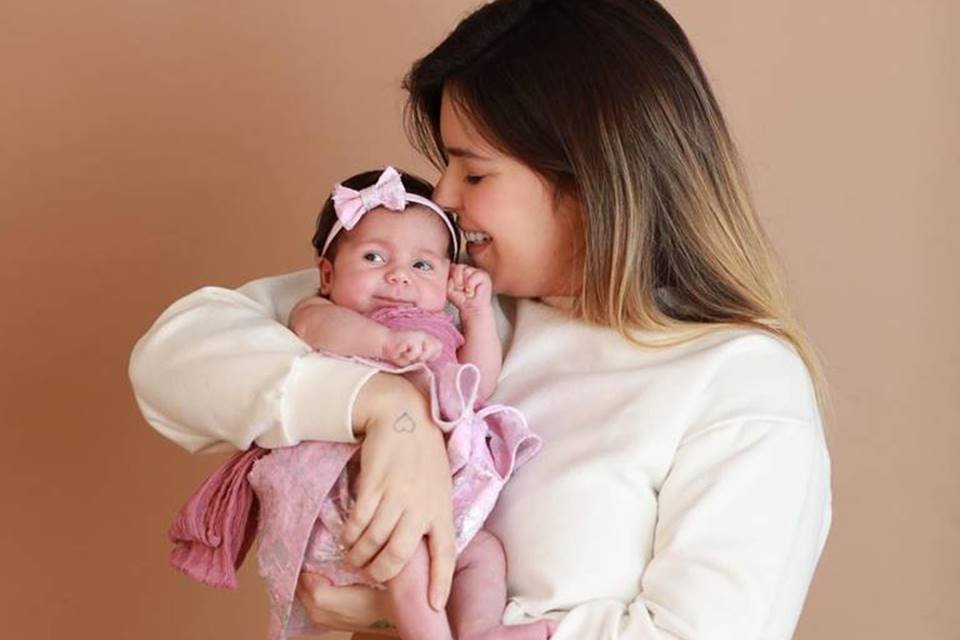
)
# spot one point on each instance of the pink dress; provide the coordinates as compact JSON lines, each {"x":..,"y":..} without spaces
{"x":305,"y":492}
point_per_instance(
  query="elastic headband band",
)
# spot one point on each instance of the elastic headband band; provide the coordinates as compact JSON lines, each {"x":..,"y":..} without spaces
{"x":350,"y":205}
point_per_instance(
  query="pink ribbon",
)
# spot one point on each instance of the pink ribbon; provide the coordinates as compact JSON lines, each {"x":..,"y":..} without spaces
{"x":352,"y":205}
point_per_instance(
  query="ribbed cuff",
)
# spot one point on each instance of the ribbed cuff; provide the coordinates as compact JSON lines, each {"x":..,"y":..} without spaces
{"x":318,"y":398}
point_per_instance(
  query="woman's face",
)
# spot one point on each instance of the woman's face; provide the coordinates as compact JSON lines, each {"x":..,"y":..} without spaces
{"x":517,"y":230}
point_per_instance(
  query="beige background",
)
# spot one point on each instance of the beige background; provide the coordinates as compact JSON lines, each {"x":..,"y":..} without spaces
{"x":149,"y":148}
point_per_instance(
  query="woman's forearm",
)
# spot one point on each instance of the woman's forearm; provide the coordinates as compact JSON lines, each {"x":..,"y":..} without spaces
{"x":387,"y":401}
{"x":220,"y":370}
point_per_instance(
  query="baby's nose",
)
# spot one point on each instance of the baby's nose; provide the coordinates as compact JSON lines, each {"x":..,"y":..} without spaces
{"x":398,"y":276}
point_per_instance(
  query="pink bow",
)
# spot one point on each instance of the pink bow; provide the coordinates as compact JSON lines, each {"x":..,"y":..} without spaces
{"x":352,"y":205}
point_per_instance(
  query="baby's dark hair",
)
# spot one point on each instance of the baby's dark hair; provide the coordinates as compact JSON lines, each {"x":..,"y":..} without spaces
{"x":328,"y":217}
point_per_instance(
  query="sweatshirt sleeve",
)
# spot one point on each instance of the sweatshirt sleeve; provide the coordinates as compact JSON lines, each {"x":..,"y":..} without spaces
{"x":742,"y":519}
{"x":219,"y":370}
{"x":743,"y":510}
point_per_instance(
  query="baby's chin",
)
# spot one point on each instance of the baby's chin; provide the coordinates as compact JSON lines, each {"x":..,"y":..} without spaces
{"x":383,"y":303}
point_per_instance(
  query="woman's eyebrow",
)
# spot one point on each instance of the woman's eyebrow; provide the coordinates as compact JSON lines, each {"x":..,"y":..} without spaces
{"x":460,"y":152}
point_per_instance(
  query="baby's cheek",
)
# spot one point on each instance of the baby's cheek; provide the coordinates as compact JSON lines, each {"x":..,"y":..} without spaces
{"x":444,"y":276}
{"x":437,"y":295}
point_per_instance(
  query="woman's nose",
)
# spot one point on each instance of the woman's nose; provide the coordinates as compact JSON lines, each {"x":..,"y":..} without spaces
{"x":445,"y":193}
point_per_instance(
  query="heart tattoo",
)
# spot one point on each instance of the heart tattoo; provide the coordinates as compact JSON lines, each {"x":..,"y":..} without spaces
{"x":404,"y":424}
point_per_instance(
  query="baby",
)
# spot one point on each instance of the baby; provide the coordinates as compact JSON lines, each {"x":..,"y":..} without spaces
{"x":387,"y":260}
{"x":392,"y":261}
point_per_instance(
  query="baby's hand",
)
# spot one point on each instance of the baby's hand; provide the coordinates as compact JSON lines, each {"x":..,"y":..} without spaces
{"x":469,"y":289}
{"x":408,"y":347}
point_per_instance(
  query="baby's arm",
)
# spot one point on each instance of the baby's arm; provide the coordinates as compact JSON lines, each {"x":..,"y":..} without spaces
{"x":481,"y":348}
{"x":470,"y":290}
{"x":329,"y":327}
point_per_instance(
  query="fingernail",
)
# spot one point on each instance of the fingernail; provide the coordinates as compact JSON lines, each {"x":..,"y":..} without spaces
{"x":437,"y":601}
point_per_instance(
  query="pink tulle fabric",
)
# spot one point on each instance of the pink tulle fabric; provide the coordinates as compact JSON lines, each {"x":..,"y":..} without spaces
{"x":305,"y":492}
{"x":214,"y":529}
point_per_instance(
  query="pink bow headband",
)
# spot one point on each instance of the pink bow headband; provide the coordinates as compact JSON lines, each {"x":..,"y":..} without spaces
{"x":350,"y":205}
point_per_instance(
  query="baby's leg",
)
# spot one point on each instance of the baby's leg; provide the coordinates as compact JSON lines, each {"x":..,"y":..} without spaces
{"x":479,"y":595}
{"x":410,"y":610}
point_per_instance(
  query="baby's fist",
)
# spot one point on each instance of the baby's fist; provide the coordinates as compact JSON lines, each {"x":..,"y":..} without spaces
{"x":403,"y":348}
{"x":469,"y":289}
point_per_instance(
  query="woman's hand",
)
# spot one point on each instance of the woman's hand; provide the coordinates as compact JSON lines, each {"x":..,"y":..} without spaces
{"x":404,"y":489}
{"x":358,"y":608}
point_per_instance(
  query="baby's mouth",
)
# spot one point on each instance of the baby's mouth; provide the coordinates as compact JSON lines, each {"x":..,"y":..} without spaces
{"x":390,"y":301}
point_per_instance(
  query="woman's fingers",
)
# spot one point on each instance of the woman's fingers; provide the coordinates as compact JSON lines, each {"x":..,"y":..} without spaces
{"x":310,"y":583}
{"x":349,"y":608}
{"x":443,"y":551}
{"x":376,"y":534}
{"x":395,"y":554}
{"x":363,"y":511}
{"x":312,"y":594}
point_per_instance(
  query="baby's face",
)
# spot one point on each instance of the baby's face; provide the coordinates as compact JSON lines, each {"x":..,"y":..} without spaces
{"x":390,"y":259}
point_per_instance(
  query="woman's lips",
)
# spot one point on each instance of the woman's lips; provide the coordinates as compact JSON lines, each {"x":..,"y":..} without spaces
{"x":477,"y":248}
{"x":476,"y":237}
{"x":477,"y":242}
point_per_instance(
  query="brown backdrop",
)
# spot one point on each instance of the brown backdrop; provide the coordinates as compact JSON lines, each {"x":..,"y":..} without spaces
{"x":148,"y":148}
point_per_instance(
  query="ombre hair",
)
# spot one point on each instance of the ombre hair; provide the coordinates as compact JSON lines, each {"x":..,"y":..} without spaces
{"x":606,"y":100}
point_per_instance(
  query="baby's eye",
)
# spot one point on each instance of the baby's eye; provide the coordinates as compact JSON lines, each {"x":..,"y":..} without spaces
{"x":373,"y":256}
{"x":423,"y":265}
{"x":473,"y":179}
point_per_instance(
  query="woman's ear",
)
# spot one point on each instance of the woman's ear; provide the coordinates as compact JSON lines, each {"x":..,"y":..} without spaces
{"x":326,"y":275}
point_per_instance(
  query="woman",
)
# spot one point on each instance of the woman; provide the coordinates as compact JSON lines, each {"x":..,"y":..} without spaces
{"x":683,"y":486}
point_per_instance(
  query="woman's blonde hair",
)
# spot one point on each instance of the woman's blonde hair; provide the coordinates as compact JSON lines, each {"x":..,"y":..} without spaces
{"x":606,"y":99}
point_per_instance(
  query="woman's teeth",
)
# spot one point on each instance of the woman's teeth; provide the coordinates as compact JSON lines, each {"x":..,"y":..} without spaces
{"x":476,"y":237}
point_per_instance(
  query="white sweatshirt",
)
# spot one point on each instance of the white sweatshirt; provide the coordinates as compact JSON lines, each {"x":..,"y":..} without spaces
{"x":681,"y":492}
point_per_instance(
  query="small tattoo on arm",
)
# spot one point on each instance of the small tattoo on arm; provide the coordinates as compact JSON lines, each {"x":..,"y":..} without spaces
{"x":404,"y":424}
{"x":382,"y":623}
